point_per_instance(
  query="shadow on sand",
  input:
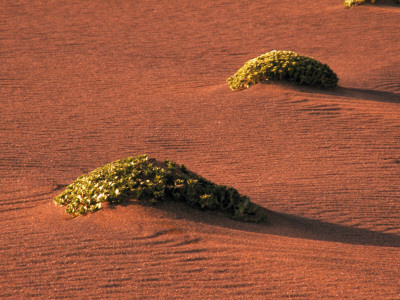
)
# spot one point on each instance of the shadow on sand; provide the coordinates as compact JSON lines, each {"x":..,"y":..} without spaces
{"x":362,"y":94}
{"x":384,"y":3}
{"x":345,"y":92}
{"x":279,"y":224}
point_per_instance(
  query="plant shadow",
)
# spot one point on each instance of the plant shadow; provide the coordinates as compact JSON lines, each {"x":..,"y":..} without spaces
{"x":313,"y":229}
{"x":383,"y":3}
{"x":345,"y":92}
{"x":279,"y":224}
{"x":362,"y":94}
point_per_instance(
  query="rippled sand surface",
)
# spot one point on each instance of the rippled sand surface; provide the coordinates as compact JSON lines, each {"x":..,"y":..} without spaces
{"x":83,"y":83}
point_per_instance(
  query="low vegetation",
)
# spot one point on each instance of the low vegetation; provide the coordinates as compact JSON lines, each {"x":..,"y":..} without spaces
{"x":283,"y":65}
{"x":350,"y":3}
{"x":143,"y":178}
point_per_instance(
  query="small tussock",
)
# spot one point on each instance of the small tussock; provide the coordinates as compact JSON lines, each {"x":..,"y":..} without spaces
{"x":143,"y":178}
{"x":283,"y":65}
{"x":350,"y":3}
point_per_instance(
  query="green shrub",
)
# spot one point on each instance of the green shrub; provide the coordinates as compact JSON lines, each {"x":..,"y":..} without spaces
{"x":350,"y":3}
{"x":143,"y":178}
{"x":283,"y":65}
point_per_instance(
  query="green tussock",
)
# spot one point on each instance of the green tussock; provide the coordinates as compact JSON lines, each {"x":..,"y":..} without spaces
{"x":350,"y":3}
{"x":143,"y":178}
{"x":283,"y":65}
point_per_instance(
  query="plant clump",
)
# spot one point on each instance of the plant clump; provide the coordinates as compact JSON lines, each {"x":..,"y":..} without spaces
{"x":143,"y":178}
{"x":283,"y":65}
{"x":350,"y":3}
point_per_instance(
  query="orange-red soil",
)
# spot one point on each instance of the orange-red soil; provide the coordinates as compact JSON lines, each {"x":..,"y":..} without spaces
{"x":83,"y":83}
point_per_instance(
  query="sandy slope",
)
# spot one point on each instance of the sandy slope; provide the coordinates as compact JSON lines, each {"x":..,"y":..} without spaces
{"x":85,"y":83}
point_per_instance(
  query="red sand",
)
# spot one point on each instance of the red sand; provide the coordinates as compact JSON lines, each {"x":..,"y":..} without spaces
{"x":84,"y":83}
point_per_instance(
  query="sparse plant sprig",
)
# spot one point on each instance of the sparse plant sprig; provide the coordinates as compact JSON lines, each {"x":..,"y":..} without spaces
{"x":143,"y":178}
{"x":350,"y":3}
{"x":283,"y":65}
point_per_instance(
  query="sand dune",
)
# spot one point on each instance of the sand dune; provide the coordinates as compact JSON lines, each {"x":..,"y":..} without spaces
{"x":85,"y":83}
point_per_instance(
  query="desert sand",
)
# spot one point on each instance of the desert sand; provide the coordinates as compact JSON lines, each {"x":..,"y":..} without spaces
{"x":83,"y":83}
